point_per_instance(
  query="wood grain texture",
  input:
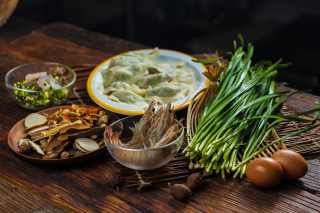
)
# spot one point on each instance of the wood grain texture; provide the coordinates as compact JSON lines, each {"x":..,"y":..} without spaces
{"x":16,"y":199}
{"x":86,"y":38}
{"x":80,"y":187}
{"x":38,"y":47}
{"x":300,"y":101}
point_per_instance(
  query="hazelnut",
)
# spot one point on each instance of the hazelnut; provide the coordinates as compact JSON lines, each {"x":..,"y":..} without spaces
{"x":195,"y":181}
{"x":181,"y":192}
{"x":111,"y":178}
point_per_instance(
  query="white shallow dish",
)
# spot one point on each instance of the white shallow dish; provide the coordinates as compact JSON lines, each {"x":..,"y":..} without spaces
{"x":167,"y":56}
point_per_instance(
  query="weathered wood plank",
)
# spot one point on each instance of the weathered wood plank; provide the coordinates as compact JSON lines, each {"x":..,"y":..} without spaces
{"x":39,"y":47}
{"x":89,"y":39}
{"x":16,"y":199}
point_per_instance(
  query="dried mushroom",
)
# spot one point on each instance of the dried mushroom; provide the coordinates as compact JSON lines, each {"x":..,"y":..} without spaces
{"x":36,"y":147}
{"x":51,"y":122}
{"x":101,"y":113}
{"x":34,"y":120}
{"x":78,"y":147}
{"x":64,"y":154}
{"x":88,"y":133}
{"x":62,"y":146}
{"x":103,"y":120}
{"x":43,"y":143}
{"x":53,"y":143}
{"x":86,"y":144}
{"x":24,"y":145}
{"x":50,"y":155}
{"x":75,"y":127}
{"x":38,"y":130}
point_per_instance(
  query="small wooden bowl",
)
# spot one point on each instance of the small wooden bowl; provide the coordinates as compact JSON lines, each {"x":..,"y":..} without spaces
{"x":17,"y":132}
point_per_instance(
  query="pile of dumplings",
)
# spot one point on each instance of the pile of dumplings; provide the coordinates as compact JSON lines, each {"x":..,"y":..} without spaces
{"x":137,"y":79}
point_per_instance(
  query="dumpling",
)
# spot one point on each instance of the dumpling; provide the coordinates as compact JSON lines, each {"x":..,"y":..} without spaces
{"x":132,"y":58}
{"x":169,"y":92}
{"x":128,"y":74}
{"x":165,"y":67}
{"x":128,"y":97}
{"x":174,"y":69}
{"x":122,"y":85}
{"x":183,"y":76}
{"x":154,"y":80}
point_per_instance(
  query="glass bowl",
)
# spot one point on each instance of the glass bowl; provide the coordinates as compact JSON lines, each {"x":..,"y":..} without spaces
{"x":37,"y":100}
{"x":141,"y":159}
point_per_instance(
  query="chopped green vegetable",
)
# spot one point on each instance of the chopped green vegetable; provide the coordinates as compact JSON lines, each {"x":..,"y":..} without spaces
{"x":45,"y":98}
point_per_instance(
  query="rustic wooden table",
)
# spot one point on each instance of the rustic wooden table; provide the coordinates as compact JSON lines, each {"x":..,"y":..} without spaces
{"x":30,"y":188}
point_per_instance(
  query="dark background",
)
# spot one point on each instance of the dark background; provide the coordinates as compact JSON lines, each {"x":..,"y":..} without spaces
{"x":278,"y":29}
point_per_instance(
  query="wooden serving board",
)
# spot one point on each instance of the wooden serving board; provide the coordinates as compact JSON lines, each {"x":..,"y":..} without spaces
{"x":80,"y":187}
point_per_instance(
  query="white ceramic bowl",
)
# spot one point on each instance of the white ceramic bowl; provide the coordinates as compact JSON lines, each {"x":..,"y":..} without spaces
{"x":167,"y":56}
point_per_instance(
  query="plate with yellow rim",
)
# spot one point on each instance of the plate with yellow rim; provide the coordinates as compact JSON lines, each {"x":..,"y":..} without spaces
{"x":166,"y":56}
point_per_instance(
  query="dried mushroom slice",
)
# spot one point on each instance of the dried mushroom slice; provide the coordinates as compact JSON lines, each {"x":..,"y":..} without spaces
{"x":75,"y":127}
{"x":87,"y":144}
{"x":53,"y":143}
{"x":34,"y":120}
{"x":38,"y":130}
{"x":78,"y":147}
{"x":36,"y":147}
{"x":88,"y":133}
{"x":58,"y":149}
{"x":103,"y":120}
{"x":57,"y":128}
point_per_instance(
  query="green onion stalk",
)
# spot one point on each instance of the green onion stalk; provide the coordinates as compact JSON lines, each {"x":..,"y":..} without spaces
{"x":235,"y":117}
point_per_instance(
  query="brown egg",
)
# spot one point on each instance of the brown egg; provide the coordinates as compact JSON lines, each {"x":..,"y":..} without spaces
{"x":293,"y":164}
{"x":264,"y":172}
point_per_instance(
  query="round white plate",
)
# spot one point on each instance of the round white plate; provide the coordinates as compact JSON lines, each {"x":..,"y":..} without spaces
{"x":168,"y":56}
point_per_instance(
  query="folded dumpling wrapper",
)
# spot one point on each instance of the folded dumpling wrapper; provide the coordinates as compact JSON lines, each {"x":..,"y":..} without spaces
{"x":86,"y":144}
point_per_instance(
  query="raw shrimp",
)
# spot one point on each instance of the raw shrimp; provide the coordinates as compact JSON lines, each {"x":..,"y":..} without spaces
{"x":155,"y":127}
{"x":166,"y":121}
{"x":54,"y":85}
{"x":170,"y":135}
{"x":42,"y":82}
{"x":112,"y":137}
{"x":34,"y":76}
{"x":141,"y":129}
